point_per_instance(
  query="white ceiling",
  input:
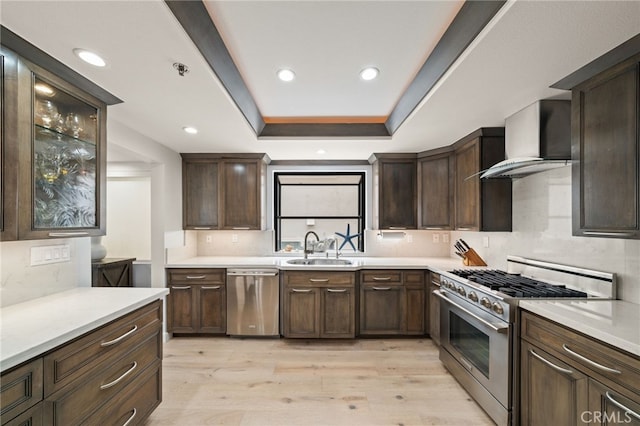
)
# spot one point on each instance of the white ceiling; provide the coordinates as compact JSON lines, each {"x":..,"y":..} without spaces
{"x":528,"y":46}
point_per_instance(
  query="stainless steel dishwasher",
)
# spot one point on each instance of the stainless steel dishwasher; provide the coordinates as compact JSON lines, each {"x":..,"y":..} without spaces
{"x":253,"y":300}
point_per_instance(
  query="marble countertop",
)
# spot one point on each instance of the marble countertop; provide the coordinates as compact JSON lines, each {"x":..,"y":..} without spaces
{"x":615,"y":322}
{"x":30,"y":328}
{"x":358,"y":262}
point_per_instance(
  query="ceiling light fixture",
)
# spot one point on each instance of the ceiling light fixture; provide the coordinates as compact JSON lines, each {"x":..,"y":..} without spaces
{"x":369,"y":73}
{"x":190,"y":130}
{"x":286,"y":74}
{"x":90,"y":57}
{"x":43,"y":89}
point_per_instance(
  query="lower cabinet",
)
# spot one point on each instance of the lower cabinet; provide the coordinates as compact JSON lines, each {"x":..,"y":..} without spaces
{"x":112,"y":273}
{"x":108,"y":376}
{"x":319,"y":304}
{"x":392,"y":302}
{"x":571,"y":379}
{"x":197,"y":301}
{"x":434,"y":308}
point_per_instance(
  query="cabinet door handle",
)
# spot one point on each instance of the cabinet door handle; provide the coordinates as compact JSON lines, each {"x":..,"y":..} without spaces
{"x":381,"y":288}
{"x":397,"y":228}
{"x":609,"y":234}
{"x":297,"y":290}
{"x":201,"y":228}
{"x":240,"y":228}
{"x":381,"y":278}
{"x":433,"y":228}
{"x":196,"y":277}
{"x":119,"y":379}
{"x":117,"y":339}
{"x":186,"y":287}
{"x":68,"y":234}
{"x":550,"y":364}
{"x":336,"y":290}
{"x":319,"y":280}
{"x":463,"y":229}
{"x":621,"y":406}
{"x":590,"y":362}
{"x":130,"y":419}
{"x":215,"y":287}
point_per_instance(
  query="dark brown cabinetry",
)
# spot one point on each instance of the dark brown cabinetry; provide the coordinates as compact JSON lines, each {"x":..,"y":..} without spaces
{"x":569,"y":378}
{"x":434,"y":308}
{"x":396,"y":196}
{"x":436,"y":172}
{"x":392,"y":302}
{"x":112,"y":273}
{"x":481,"y":205}
{"x":21,"y":391}
{"x":197,"y":301}
{"x":8,"y":151}
{"x":319,"y":304}
{"x":606,"y":153}
{"x":222,"y":191}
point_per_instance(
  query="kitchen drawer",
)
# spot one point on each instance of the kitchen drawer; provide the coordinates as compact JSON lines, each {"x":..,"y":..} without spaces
{"x":413,"y":277}
{"x":31,"y":417}
{"x":319,"y":278}
{"x":196,"y":276}
{"x":107,"y":343}
{"x":386,"y":277}
{"x":21,"y":388}
{"x":134,"y":404}
{"x":592,"y":356}
{"x":72,"y":405}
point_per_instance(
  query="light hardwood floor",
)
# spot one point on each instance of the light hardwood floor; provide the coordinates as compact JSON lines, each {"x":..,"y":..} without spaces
{"x":285,"y":382}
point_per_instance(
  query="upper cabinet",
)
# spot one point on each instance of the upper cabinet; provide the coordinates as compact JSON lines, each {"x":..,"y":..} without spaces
{"x":56,"y":154}
{"x":8,"y":151}
{"x":395,"y":178}
{"x":223,"y":191}
{"x":436,"y":171}
{"x":606,"y":153}
{"x":481,"y":205}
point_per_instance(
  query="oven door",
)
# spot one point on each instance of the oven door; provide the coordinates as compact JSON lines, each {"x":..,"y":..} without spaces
{"x":479,"y":343}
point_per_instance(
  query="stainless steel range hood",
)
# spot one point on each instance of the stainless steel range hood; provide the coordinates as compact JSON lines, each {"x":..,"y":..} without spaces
{"x":537,"y":138}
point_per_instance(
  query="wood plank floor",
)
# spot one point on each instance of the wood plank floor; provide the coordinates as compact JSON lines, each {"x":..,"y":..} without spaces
{"x":285,"y":382}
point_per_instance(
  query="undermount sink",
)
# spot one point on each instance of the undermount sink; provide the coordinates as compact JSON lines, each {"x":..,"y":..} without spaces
{"x":319,"y":261}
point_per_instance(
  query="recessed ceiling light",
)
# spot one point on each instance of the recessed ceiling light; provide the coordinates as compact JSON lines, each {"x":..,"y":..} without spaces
{"x":190,"y":130}
{"x":286,"y":74}
{"x":43,"y":89}
{"x":369,"y":73}
{"x":90,"y":57}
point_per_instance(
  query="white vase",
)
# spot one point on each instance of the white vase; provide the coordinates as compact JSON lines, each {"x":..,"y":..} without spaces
{"x":98,"y":251}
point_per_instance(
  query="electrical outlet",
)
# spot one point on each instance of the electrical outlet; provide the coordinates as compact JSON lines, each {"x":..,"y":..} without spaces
{"x":409,"y":238}
{"x":436,"y":238}
{"x":445,"y":238}
{"x":234,"y":238}
{"x":485,"y":242}
{"x":208,"y":238}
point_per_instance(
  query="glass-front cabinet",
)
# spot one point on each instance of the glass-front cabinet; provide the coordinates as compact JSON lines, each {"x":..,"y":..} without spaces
{"x":62,"y":157}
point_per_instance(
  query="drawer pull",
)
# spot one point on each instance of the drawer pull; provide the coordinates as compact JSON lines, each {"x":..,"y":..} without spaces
{"x":297,"y":290}
{"x":215,"y":287}
{"x":68,"y":234}
{"x":382,"y":288}
{"x":336,"y":290}
{"x":550,"y":364}
{"x":130,"y":419}
{"x":381,"y":278}
{"x":240,"y":228}
{"x":592,"y":363}
{"x":196,"y":277}
{"x":119,"y":379}
{"x":201,"y":228}
{"x":186,"y":287}
{"x":622,"y":406}
{"x":117,"y":339}
{"x":319,"y":280}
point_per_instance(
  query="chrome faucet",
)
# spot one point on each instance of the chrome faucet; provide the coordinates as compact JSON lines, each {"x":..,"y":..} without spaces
{"x":306,"y":236}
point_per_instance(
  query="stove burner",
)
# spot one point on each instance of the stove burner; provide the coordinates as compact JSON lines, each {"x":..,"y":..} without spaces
{"x":515,"y":285}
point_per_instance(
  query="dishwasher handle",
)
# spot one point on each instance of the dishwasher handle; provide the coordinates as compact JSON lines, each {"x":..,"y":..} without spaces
{"x":251,"y":273}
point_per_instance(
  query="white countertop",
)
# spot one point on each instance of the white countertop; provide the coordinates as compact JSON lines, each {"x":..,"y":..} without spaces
{"x":358,"y":262}
{"x":31,"y":328}
{"x":615,"y":322}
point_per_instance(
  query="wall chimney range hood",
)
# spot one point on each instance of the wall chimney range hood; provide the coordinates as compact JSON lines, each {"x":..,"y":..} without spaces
{"x":537,"y":138}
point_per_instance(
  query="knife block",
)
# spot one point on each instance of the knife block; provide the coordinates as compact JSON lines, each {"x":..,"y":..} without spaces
{"x":471,"y":258}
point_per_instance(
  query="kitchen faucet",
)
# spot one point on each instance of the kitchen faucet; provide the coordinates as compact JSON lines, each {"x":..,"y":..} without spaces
{"x":307,"y":251}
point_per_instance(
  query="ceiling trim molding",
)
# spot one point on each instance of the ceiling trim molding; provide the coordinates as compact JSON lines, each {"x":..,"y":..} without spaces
{"x":197,"y":23}
{"x":31,"y":53}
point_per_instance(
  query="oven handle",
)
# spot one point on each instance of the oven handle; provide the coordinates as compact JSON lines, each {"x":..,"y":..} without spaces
{"x":443,"y":296}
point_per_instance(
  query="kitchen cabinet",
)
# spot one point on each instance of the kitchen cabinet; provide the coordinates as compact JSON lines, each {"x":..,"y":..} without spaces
{"x":319,"y":304}
{"x":54,"y":139}
{"x":21,"y":394}
{"x":112,"y":272}
{"x":434,"y":308}
{"x":569,"y":378}
{"x":481,"y":205}
{"x":395,"y":193}
{"x":605,"y":145}
{"x":392,"y":302}
{"x":436,"y":172}
{"x":197,"y":301}
{"x":223,"y":191}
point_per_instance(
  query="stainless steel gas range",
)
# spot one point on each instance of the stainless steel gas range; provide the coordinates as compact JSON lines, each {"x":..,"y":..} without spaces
{"x":479,"y":324}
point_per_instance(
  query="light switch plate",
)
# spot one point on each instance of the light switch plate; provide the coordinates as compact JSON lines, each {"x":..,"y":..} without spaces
{"x":44,"y":255}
